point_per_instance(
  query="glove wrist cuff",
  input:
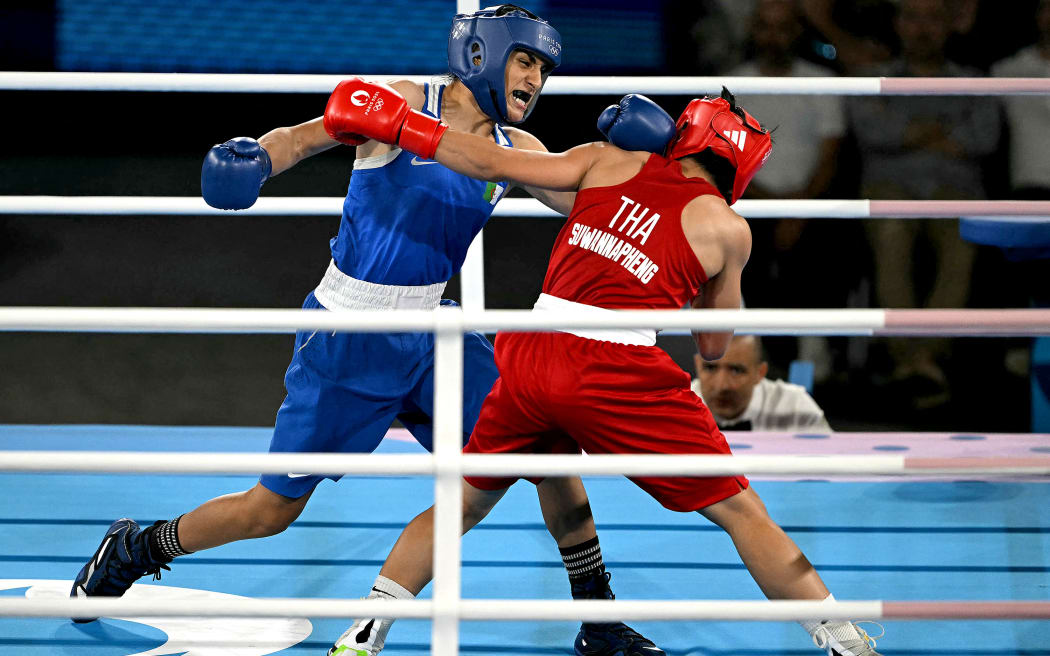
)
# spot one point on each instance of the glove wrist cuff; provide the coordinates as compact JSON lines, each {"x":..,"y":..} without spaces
{"x":267,"y":165}
{"x":420,"y":134}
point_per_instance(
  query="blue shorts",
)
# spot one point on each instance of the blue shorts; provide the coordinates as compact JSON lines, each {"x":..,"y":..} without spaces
{"x":345,"y":390}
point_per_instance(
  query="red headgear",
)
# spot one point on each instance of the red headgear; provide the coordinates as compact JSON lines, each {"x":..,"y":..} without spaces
{"x":729,"y":131}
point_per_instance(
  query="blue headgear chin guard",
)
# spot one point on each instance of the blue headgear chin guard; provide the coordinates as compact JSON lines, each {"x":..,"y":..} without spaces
{"x":489,"y":36}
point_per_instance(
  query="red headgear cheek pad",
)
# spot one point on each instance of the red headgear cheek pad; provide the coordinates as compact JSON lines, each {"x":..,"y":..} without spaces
{"x":746,"y":146}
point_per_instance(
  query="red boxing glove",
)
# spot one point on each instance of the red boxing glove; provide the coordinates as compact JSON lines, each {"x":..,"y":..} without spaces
{"x":358,"y":111}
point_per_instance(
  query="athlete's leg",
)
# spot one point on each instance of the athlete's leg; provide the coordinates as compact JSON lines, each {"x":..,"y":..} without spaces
{"x":630,"y":421}
{"x":411,"y":561}
{"x":781,"y":570}
{"x":566,"y":511}
{"x":773,"y":559}
{"x":319,"y":414}
{"x":408,"y":569}
{"x":254,"y":513}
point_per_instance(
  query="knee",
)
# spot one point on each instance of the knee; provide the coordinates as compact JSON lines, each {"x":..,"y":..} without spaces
{"x":264,"y":513}
{"x":739,"y":512}
{"x":473,"y":514}
{"x":263,"y":525}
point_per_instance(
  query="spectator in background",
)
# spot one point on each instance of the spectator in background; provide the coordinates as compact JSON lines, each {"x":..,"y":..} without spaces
{"x":1028,"y":120}
{"x":1028,"y":117}
{"x":740,"y":396}
{"x":809,"y":132}
{"x":922,"y":148}
{"x":859,"y":30}
{"x":705,"y":37}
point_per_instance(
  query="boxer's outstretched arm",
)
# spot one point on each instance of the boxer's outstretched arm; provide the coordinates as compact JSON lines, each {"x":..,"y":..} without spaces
{"x":359,"y":110}
{"x":290,"y":145}
{"x":480,"y":158}
{"x":559,"y":201}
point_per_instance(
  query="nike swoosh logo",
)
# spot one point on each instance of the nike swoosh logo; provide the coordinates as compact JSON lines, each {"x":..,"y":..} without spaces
{"x":298,"y":475}
{"x":102,"y":551}
{"x":365,"y":632}
{"x":421,"y":162}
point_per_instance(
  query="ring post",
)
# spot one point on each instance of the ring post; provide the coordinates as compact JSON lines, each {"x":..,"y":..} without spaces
{"x":448,"y":491}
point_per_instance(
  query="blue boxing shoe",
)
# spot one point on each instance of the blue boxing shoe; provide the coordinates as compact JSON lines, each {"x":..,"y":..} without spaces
{"x":615,"y":639}
{"x":122,"y":558}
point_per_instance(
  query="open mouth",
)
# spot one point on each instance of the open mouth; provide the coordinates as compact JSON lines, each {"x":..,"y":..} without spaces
{"x":522,"y":98}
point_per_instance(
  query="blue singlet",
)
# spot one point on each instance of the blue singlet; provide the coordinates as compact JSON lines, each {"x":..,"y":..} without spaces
{"x":408,"y":222}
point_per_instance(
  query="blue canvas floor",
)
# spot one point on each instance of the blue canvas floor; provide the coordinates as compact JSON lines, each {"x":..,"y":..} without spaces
{"x":892,"y":540}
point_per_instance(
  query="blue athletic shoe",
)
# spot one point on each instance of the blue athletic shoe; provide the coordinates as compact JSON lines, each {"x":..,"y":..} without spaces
{"x":121,"y":559}
{"x":615,"y":639}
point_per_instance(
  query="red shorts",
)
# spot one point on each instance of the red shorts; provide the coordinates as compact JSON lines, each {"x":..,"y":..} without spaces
{"x":559,"y":393}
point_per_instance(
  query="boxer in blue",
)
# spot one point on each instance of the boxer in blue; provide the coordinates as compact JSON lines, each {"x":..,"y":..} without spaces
{"x":405,"y":229}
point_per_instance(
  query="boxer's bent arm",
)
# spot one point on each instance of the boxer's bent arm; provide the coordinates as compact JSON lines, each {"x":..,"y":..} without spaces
{"x":289,"y":146}
{"x":559,"y":201}
{"x":482,"y":159}
{"x":722,"y":290}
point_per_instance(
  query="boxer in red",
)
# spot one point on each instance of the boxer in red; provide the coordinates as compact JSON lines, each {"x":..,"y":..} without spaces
{"x":647,"y":231}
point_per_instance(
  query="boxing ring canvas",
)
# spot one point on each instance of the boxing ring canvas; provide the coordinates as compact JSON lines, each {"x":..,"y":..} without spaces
{"x":887,"y":538}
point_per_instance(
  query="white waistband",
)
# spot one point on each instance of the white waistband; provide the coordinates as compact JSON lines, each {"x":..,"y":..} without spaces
{"x":630,"y":336}
{"x":338,"y":291}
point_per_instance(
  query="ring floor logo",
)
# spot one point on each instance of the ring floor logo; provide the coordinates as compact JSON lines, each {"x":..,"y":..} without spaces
{"x":188,"y":636}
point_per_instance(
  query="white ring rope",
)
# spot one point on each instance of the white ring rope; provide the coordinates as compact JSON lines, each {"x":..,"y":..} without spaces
{"x":1006,"y":210}
{"x":535,"y":610}
{"x":874,"y":322}
{"x":557,"y":85}
{"x":127,"y":462}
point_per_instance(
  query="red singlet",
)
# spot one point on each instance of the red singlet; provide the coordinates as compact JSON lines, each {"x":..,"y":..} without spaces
{"x":622,"y":247}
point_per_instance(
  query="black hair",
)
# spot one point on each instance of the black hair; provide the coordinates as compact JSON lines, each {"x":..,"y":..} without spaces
{"x":503,"y":10}
{"x":721,"y":170}
{"x":760,"y":350}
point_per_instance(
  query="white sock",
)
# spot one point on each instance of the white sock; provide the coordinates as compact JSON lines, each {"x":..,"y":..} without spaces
{"x":838,"y":629}
{"x":811,"y":625}
{"x":369,"y":633}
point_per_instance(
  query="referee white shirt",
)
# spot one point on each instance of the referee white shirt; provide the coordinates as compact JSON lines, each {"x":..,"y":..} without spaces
{"x":775,"y":405}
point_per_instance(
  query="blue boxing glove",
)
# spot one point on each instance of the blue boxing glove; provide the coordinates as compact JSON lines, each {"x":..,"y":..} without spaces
{"x":637,"y":123}
{"x":233,"y":172}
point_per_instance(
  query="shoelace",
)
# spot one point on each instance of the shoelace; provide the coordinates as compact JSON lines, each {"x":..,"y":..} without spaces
{"x":128,"y":573}
{"x":870,"y":639}
{"x":822,"y":636}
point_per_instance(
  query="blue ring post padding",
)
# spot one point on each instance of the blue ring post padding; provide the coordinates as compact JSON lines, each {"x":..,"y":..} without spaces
{"x":1020,"y":240}
{"x":800,"y":372}
{"x":1041,"y":385}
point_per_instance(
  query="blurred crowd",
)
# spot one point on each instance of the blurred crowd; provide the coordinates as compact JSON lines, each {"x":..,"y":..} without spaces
{"x":886,"y":147}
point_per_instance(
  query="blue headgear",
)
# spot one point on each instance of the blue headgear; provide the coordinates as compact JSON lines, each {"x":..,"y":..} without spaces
{"x":490,"y":35}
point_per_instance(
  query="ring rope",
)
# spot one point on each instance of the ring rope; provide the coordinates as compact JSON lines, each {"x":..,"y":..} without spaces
{"x":557,"y":85}
{"x":1012,"y":210}
{"x":536,"y":610}
{"x":870,"y":322}
{"x":127,"y":462}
